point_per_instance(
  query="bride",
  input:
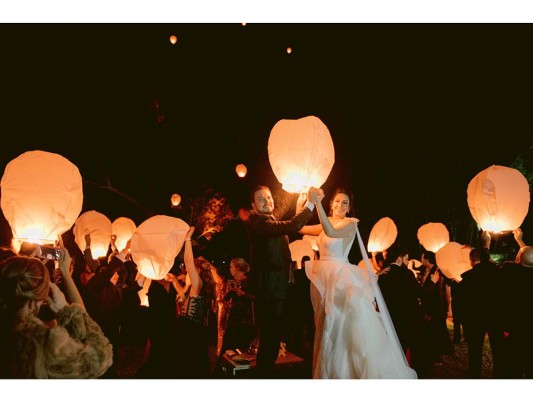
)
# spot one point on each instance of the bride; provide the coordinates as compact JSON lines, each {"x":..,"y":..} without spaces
{"x":354,"y":335}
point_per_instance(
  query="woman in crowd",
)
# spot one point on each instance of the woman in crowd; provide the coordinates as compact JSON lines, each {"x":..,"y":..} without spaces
{"x":70,"y":346}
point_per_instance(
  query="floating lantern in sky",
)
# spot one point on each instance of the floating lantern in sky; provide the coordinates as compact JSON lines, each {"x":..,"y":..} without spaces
{"x":241,"y":170}
{"x":432,"y":236}
{"x":173,"y":39}
{"x":289,"y":50}
{"x":123,"y":229}
{"x":498,"y":198}
{"x":300,"y":248}
{"x":243,"y":23}
{"x":382,"y":235}
{"x":301,"y":153}
{"x":453,"y":259}
{"x":99,"y":227}
{"x":42,"y":195}
{"x":156,"y":243}
{"x":175,"y":200}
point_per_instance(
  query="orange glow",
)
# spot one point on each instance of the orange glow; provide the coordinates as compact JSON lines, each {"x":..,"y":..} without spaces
{"x":173,"y":39}
{"x":241,"y":170}
{"x":175,"y":200}
{"x":289,"y":50}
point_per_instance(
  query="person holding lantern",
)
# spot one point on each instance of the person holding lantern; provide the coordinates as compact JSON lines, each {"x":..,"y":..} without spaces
{"x":70,"y":346}
{"x":270,"y":261}
{"x":354,"y":335}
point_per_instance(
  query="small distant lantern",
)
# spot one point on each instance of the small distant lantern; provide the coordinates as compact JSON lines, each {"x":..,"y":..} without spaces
{"x":300,"y":248}
{"x":243,"y":214}
{"x":156,"y":243}
{"x":173,"y":39}
{"x":241,"y":170}
{"x":99,"y":227}
{"x":432,"y":236}
{"x":382,"y":235}
{"x":123,"y":229}
{"x":453,"y":259}
{"x":42,"y":195}
{"x":289,"y":50}
{"x":498,"y":198}
{"x":301,"y":153}
{"x":243,"y":23}
{"x":175,"y":200}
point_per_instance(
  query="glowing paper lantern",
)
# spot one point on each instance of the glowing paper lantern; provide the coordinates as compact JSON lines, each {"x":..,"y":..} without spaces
{"x":382,"y":235}
{"x":99,"y":227}
{"x":42,"y":195}
{"x":175,"y":199}
{"x":123,"y":229}
{"x":453,"y":259}
{"x":300,"y":248}
{"x":241,"y":170}
{"x":498,"y":198}
{"x":313,"y":240}
{"x":289,"y":50}
{"x":156,"y":243}
{"x":432,"y":236}
{"x":301,"y":153}
{"x":173,"y":39}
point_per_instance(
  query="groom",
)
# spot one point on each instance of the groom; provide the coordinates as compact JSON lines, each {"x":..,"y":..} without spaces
{"x":270,"y":261}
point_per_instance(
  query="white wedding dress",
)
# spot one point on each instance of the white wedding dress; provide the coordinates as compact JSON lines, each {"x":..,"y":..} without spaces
{"x":352,"y":339}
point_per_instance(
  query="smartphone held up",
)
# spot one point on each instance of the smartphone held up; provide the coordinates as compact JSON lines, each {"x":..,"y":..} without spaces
{"x":49,"y":252}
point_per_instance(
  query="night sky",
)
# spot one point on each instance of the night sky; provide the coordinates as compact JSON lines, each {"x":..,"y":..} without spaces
{"x":415,"y":111}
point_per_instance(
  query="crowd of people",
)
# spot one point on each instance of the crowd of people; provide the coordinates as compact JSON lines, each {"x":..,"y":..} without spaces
{"x":70,"y":317}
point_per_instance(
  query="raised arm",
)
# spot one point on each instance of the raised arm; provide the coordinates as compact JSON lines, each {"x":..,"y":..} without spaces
{"x":518,"y":234}
{"x":73,"y":295}
{"x":188,"y":258}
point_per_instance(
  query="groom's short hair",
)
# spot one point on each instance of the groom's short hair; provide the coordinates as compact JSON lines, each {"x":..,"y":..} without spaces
{"x":255,"y":189}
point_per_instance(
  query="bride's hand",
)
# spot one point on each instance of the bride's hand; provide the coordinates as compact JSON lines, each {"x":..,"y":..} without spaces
{"x":321,"y":195}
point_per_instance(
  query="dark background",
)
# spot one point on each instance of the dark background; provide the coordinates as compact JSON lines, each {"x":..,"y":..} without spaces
{"x":415,"y":111}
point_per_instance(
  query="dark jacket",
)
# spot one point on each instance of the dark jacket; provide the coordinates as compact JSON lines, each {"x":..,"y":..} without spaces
{"x":270,"y":255}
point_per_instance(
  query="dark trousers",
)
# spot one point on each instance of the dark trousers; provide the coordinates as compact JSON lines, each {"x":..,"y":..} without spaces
{"x":475,"y":335}
{"x":272,"y":322}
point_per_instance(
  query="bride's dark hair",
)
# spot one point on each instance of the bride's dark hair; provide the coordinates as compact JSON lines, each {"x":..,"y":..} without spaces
{"x":347,"y":192}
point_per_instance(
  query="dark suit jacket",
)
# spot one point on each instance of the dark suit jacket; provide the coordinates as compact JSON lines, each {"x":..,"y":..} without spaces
{"x":270,"y":257}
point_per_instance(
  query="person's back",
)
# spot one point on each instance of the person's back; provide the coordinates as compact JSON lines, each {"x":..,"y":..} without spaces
{"x":70,"y":346}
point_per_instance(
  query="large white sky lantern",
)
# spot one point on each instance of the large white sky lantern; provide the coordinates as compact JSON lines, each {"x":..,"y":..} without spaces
{"x":498,"y":198}
{"x":453,"y":259}
{"x":300,"y":248}
{"x":156,"y":243}
{"x":42,"y":195}
{"x":123,"y":229}
{"x":382,"y":235}
{"x":432,"y":236}
{"x":99,"y":227}
{"x":301,"y":153}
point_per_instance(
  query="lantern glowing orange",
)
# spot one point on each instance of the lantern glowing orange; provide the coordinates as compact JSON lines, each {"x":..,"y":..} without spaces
{"x":99,"y":227}
{"x":453,"y":259}
{"x":241,"y":170}
{"x":301,"y":153}
{"x":300,"y":248}
{"x":42,"y":195}
{"x":498,"y":198}
{"x":289,"y":50}
{"x":382,"y":235}
{"x":123,"y":229}
{"x":175,"y":200}
{"x":173,"y":39}
{"x":432,"y":236}
{"x":156,"y":243}
{"x":313,"y":240}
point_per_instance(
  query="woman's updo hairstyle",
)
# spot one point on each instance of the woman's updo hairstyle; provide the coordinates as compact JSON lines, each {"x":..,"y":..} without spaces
{"x":21,"y":279}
